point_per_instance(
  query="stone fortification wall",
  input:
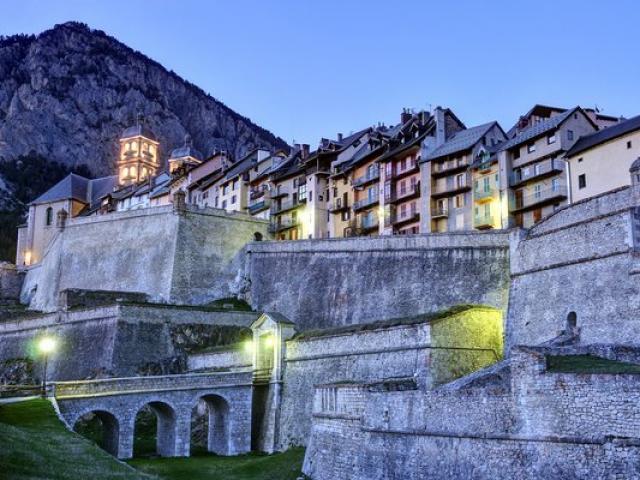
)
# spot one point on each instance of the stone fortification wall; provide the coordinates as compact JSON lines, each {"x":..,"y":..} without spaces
{"x":539,"y":425}
{"x":10,"y":283}
{"x":582,"y":260}
{"x":328,"y":283}
{"x":178,"y":257}
{"x":399,"y":351}
{"x":122,"y":340}
{"x":234,"y":358}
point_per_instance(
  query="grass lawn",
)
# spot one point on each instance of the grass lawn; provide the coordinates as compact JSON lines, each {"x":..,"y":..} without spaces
{"x":34,"y":444}
{"x":588,"y":364}
{"x":281,"y":466}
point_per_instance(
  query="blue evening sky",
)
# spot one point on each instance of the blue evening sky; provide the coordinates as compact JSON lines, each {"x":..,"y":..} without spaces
{"x":306,"y":69}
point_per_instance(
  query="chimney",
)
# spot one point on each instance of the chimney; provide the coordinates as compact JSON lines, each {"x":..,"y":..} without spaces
{"x":339,"y":136}
{"x":304,"y":151}
{"x":405,"y":116}
{"x":441,"y":131}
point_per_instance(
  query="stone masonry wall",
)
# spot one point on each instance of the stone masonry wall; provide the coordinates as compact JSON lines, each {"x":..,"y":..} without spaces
{"x":364,"y":356}
{"x":328,"y":283}
{"x":580,"y":259}
{"x":177,"y":257}
{"x":122,"y":340}
{"x":543,"y":425}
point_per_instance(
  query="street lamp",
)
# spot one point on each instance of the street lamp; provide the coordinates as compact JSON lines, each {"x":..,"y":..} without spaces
{"x":46,"y":345}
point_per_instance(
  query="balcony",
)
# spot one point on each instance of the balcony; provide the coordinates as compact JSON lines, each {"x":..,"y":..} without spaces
{"x":285,"y":224}
{"x":412,"y":167}
{"x":451,"y":188}
{"x":539,"y":198}
{"x":370,"y":176}
{"x":260,"y":206}
{"x":365,"y":202}
{"x":411,"y":191}
{"x":483,"y":221}
{"x":257,"y":193}
{"x":338,"y":205}
{"x":538,"y":171}
{"x":439,"y":212}
{"x":484,"y":194}
{"x":286,"y":205}
{"x":407,"y":217}
{"x":448,"y":168}
{"x":367,"y":223}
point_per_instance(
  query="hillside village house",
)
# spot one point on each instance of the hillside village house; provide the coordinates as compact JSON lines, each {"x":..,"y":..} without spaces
{"x":600,"y":162}
{"x":428,"y":173}
{"x":458,"y":194}
{"x":532,"y":168}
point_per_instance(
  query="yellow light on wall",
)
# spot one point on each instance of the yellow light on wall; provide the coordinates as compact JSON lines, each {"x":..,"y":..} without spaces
{"x":248,"y":346}
{"x":27,"y":257}
{"x":268,"y":341}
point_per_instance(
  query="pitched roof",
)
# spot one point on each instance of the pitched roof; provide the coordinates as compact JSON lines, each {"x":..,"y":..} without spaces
{"x":540,"y":128}
{"x":136,"y":130}
{"x":589,"y":141}
{"x":462,"y":140}
{"x":76,"y":187}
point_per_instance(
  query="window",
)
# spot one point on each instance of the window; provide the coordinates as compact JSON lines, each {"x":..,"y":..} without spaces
{"x":551,"y":139}
{"x":569,"y":135}
{"x":580,"y":160}
{"x":516,"y":154}
{"x":537,"y":169}
{"x":582,"y":181}
{"x":537,"y":191}
{"x":460,"y":180}
{"x":531,"y":148}
{"x":486,"y":185}
{"x":459,"y":201}
{"x":215,"y":203}
{"x":403,"y":210}
{"x":235,"y":184}
{"x":403,"y":164}
{"x":233,"y":199}
{"x":335,"y":192}
{"x":629,"y":144}
{"x":225,"y":189}
{"x":49,"y":217}
{"x":555,"y":184}
{"x":224,"y":204}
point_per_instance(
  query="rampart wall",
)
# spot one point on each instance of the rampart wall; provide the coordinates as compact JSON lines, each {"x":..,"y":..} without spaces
{"x":329,"y":283}
{"x":581,"y":259}
{"x":542,"y":425}
{"x":121,"y":340}
{"x":177,"y":257}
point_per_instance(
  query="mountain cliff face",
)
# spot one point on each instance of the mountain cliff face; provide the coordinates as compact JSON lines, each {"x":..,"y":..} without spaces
{"x":68,"y":93}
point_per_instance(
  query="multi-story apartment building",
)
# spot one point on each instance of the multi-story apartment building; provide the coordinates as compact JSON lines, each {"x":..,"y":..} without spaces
{"x":600,"y":162}
{"x":289,"y":219}
{"x":259,"y":200}
{"x":203,"y":179}
{"x":451,"y":201}
{"x":400,"y":174}
{"x":532,"y":167}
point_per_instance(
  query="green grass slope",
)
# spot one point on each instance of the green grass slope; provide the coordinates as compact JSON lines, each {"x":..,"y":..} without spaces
{"x":34,"y":444}
{"x":281,"y":466}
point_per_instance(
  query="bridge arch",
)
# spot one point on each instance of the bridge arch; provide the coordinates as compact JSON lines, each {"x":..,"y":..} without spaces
{"x":219,"y":423}
{"x":109,"y":428}
{"x":166,"y":426}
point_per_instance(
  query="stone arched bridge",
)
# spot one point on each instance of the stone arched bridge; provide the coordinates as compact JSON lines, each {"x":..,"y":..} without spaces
{"x":117,"y":401}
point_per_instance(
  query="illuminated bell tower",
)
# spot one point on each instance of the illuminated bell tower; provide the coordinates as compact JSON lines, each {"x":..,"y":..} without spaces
{"x":139,"y":155}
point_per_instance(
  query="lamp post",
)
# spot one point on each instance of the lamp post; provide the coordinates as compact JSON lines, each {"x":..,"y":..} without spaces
{"x":46,"y":345}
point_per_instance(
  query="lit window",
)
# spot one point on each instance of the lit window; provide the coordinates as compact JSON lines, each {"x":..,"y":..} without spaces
{"x":551,"y":139}
{"x":531,"y":148}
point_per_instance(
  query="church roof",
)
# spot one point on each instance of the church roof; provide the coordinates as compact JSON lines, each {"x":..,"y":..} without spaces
{"x":138,"y":130}
{"x":186,"y":151}
{"x":76,"y":187}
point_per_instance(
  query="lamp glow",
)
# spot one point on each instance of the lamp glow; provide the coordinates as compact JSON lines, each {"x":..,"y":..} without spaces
{"x":47,"y":345}
{"x":248,"y":346}
{"x":268,"y":341}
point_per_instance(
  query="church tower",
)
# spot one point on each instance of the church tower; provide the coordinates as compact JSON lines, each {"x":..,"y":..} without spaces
{"x":139,"y":155}
{"x":185,"y":156}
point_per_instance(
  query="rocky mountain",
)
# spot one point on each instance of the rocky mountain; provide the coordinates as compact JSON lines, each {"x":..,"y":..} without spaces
{"x":67,"y":94}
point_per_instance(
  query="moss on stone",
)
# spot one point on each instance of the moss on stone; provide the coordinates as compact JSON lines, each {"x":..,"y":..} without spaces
{"x":588,"y":364}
